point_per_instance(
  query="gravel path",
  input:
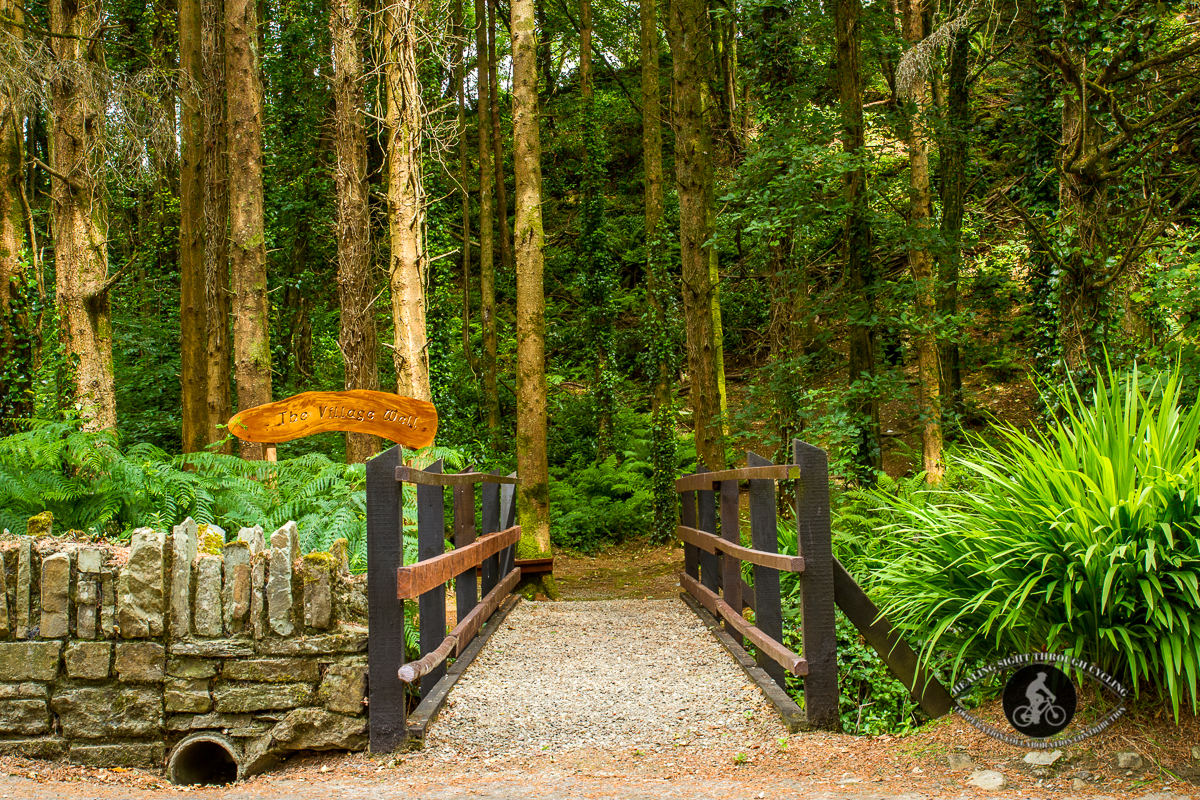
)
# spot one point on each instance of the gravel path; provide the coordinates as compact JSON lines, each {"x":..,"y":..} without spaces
{"x":640,"y":675}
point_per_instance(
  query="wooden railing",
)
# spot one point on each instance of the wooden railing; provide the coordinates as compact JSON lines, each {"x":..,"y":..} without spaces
{"x":481,"y":563}
{"x":713,"y":577}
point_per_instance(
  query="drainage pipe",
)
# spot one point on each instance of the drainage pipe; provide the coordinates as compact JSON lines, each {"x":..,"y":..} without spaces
{"x":204,"y":759}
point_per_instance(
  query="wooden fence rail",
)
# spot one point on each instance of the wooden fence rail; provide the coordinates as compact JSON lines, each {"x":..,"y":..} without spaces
{"x":481,"y":563}
{"x":713,"y":577}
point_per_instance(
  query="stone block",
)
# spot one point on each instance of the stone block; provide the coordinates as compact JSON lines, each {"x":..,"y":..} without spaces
{"x":141,"y":594}
{"x":317,"y":729}
{"x":279,"y":585}
{"x":344,"y":687}
{"x":143,"y":755}
{"x":48,"y":748}
{"x":272,"y":670}
{"x":212,"y":539}
{"x":56,"y":596}
{"x":5,"y":626}
{"x":195,"y":722}
{"x":318,"y":597}
{"x":88,"y":660}
{"x":208,"y":615}
{"x":340,"y":552}
{"x":40,"y":525}
{"x":351,"y":639}
{"x":22,"y":690}
{"x":187,"y":667}
{"x":287,"y":537}
{"x":183,"y":552}
{"x":186,"y":696}
{"x":253,"y":537}
{"x":213,"y":648}
{"x":23,"y":591}
{"x":101,"y":712}
{"x":108,"y":605}
{"x":245,"y":698}
{"x":87,"y":605}
{"x":35,"y":661}
{"x":24,"y":717}
{"x":236,"y":595}
{"x":89,"y":560}
{"x":140,"y":662}
{"x":258,"y":596}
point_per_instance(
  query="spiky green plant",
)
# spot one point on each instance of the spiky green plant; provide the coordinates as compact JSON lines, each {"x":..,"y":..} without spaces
{"x":1083,"y":538}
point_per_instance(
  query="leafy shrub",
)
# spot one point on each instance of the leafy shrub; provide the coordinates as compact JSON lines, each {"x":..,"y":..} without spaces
{"x":1083,"y":539}
{"x":601,"y":504}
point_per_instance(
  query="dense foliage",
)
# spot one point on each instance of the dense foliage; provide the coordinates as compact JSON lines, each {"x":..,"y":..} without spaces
{"x":1082,"y":538}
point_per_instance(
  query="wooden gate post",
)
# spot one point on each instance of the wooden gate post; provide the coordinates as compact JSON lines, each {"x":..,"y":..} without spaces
{"x":431,"y":541}
{"x":706,"y":501}
{"x":814,"y":541}
{"x":385,"y":555}
{"x":687,"y":518}
{"x":731,"y":567}
{"x":764,"y":533}
{"x":465,"y":587}
{"x":489,"y":520}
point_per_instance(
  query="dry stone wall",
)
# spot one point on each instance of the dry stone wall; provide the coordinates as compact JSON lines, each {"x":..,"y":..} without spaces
{"x":111,"y":655}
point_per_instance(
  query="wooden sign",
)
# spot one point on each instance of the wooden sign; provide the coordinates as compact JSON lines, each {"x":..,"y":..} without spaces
{"x":403,"y":420}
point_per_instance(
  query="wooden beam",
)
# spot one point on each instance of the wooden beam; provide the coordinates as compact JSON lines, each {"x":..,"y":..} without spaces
{"x":900,"y":658}
{"x":469,"y":625}
{"x":705,"y":480}
{"x":415,"y":670}
{"x":416,"y":579}
{"x":423,"y":478}
{"x":765,"y":644}
{"x":713,"y":544}
{"x":457,"y":640}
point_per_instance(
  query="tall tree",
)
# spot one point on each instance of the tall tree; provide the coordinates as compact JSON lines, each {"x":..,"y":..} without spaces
{"x":953,"y":150}
{"x":920,"y":257}
{"x":532,"y":464}
{"x":248,"y":249}
{"x":192,"y":317}
{"x":11,"y":214}
{"x":406,"y":199}
{"x":80,"y":211}
{"x":860,"y":269}
{"x":357,"y":337}
{"x":216,"y":219}
{"x":485,"y":53}
{"x":458,"y":70}
{"x":691,"y":49}
{"x":506,"y":257}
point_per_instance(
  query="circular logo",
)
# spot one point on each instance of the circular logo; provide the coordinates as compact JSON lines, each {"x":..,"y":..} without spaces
{"x":1039,"y":700}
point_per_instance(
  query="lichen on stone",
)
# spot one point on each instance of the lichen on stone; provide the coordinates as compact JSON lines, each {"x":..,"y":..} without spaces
{"x":40,"y":525}
{"x":210,"y":539}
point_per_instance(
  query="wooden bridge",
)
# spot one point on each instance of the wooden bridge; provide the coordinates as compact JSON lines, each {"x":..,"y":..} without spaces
{"x":484,"y":572}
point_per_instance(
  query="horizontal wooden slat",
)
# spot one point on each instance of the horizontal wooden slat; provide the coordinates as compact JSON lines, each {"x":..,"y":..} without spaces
{"x":705,"y":480}
{"x":416,"y":579}
{"x":420,"y":476}
{"x":469,"y":625}
{"x":714,"y":544}
{"x":718,"y":607}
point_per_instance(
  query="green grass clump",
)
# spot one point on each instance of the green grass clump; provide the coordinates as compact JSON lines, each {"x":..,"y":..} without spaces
{"x":1083,"y":538}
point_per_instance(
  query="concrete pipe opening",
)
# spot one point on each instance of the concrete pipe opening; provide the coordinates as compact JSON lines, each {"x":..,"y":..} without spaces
{"x":203,"y":759}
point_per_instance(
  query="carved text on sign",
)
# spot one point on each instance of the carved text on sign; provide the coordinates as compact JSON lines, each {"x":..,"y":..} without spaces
{"x":404,"y":420}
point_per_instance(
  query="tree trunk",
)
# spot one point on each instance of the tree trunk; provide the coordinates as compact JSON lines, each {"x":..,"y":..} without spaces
{"x":406,"y":200}
{"x":860,"y":269}
{"x":11,"y":213}
{"x":651,"y":117}
{"x":80,"y":211}
{"x":920,"y":259}
{"x":216,"y":221}
{"x":485,"y":67}
{"x":691,"y":50}
{"x":193,"y":349}
{"x":953,"y":162}
{"x":532,"y":467}
{"x":459,"y":69}
{"x":248,"y":251}
{"x":506,"y":258}
{"x":356,"y":285}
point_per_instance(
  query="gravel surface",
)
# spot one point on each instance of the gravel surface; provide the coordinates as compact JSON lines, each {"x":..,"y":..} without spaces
{"x":628,"y":674}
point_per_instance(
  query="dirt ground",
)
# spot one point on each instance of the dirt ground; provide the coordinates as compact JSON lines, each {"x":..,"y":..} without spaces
{"x":804,"y":765}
